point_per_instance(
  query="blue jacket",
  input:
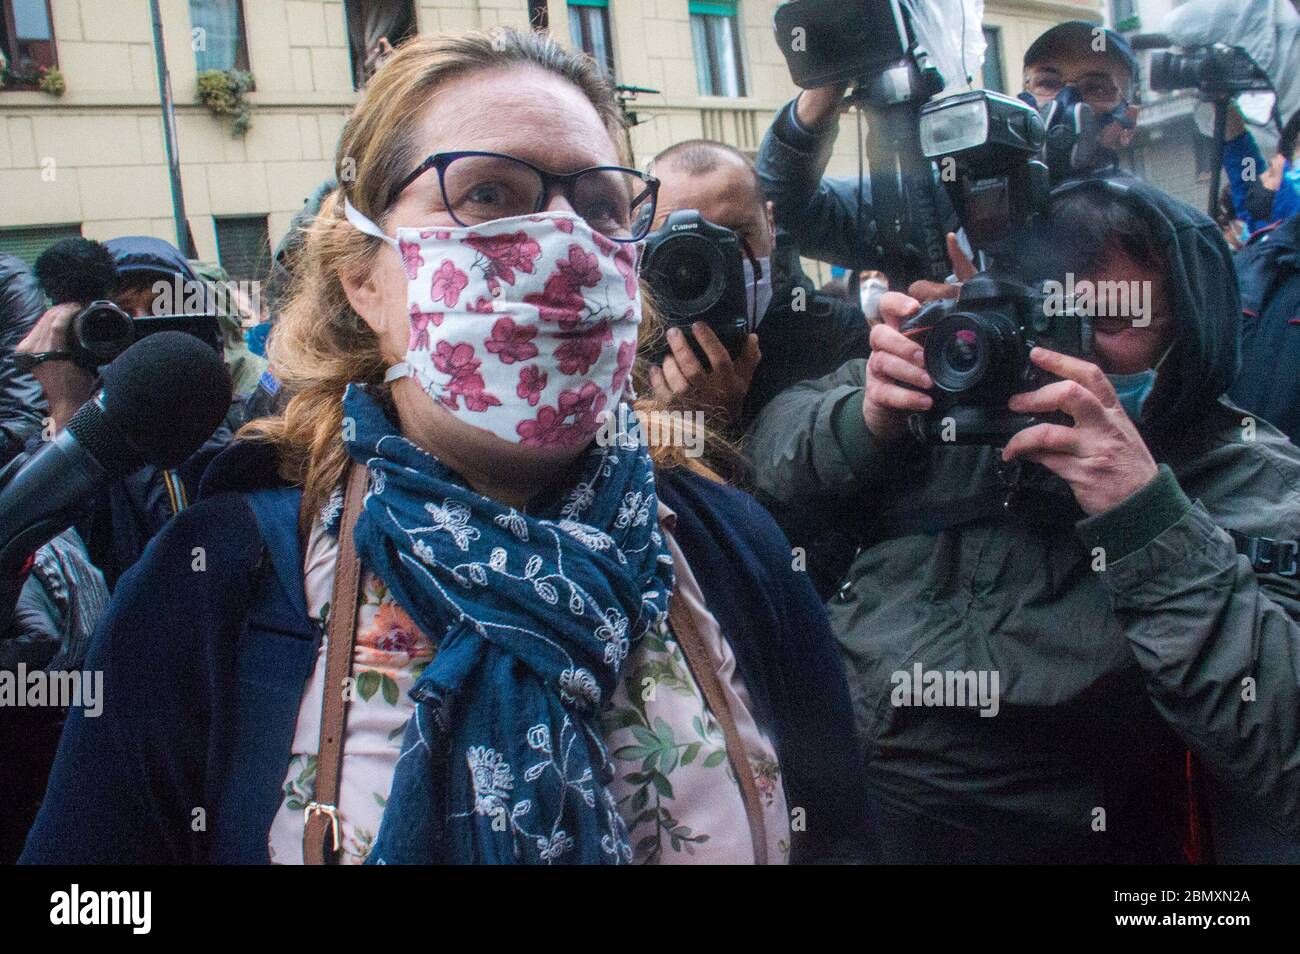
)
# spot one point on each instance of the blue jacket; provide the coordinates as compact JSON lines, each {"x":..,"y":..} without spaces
{"x":1286,"y":202}
{"x":205,"y":662}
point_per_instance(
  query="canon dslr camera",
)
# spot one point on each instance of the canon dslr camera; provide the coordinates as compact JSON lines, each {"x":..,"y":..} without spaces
{"x":695,"y":273}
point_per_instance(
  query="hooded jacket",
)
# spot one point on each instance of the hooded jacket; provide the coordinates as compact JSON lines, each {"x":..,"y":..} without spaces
{"x":1116,"y":639}
{"x":22,"y":405}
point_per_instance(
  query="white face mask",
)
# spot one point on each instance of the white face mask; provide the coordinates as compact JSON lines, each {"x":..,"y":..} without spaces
{"x":869,"y":295}
{"x":523,"y":327}
{"x":758,"y":292}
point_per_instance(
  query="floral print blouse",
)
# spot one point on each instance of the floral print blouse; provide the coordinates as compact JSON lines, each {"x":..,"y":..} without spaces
{"x":674,"y":783}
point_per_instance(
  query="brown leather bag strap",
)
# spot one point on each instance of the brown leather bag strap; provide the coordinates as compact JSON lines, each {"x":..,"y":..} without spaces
{"x":321,"y":834}
{"x":706,"y":677}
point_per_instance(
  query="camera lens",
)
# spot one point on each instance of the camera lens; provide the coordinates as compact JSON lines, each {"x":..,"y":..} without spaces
{"x":104,"y":331}
{"x":961,"y":352}
{"x":687,"y":280}
{"x":687,"y":273}
{"x":1173,"y":71}
{"x":965,"y":348}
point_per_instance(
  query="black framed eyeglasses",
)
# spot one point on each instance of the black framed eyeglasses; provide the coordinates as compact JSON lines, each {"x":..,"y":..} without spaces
{"x":480,"y":187}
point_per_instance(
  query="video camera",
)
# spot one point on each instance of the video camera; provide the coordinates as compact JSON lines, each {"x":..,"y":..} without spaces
{"x":81,"y":271}
{"x":1219,"y":73}
{"x":1215,"y":72}
{"x":102,"y":331}
{"x":695,"y":272}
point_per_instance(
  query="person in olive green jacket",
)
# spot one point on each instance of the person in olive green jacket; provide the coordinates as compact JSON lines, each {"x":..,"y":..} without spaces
{"x":1105,"y":623}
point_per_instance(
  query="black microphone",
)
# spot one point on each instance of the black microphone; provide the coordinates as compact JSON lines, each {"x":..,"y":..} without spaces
{"x":161,"y":399}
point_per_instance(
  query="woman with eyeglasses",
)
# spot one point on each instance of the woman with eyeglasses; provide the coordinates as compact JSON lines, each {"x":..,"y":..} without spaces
{"x":452,"y":606}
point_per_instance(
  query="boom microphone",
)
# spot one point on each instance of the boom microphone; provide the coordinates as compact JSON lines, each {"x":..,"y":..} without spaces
{"x":161,"y":399}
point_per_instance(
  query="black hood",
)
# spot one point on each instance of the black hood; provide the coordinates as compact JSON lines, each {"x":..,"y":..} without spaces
{"x":1202,"y":284}
{"x":148,"y":255}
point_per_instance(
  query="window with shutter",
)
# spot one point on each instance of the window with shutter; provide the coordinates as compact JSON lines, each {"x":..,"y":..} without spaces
{"x":28,"y":243}
{"x":244,"y":247}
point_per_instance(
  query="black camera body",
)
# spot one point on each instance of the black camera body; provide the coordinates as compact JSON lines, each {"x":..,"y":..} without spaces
{"x":1215,"y":72}
{"x":825,"y":42}
{"x":977,"y":353}
{"x":102,"y":330}
{"x":694,"y":270}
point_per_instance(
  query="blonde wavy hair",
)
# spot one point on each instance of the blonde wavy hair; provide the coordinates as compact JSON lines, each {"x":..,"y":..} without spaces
{"x":320,"y":344}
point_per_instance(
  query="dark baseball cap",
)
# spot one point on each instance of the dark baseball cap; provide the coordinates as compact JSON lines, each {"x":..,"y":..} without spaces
{"x":1076,"y":36}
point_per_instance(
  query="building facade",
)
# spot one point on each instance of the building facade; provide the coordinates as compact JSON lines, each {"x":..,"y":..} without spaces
{"x":92,"y":162}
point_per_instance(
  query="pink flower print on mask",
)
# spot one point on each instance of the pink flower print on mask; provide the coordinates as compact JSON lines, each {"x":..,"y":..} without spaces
{"x":448,"y":282}
{"x":626,"y":355}
{"x":625,"y":262}
{"x":561,"y":300}
{"x":543,"y":431}
{"x":420,"y":321}
{"x":501,"y":255}
{"x":458,"y":362}
{"x":580,"y":269}
{"x":558,"y":301}
{"x":411,"y":259}
{"x":584,"y":406}
{"x":481,"y":305}
{"x":439,"y":234}
{"x":532,"y":381}
{"x":574,"y":422}
{"x":511,"y":342}
{"x":580,"y":352}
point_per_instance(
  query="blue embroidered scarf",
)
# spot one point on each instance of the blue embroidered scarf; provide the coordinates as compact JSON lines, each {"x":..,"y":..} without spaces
{"x":503,"y":760}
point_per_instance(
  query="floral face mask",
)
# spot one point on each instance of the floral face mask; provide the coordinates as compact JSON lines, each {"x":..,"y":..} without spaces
{"x":524,"y":327}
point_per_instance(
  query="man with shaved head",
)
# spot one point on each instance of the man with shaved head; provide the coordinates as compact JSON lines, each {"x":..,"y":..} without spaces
{"x":798,"y":333}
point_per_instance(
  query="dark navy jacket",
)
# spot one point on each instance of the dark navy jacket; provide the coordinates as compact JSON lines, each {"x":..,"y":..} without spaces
{"x":1269,"y":272}
{"x":207,"y":648}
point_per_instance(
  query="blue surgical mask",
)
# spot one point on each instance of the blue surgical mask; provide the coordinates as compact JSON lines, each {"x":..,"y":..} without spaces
{"x":1134,"y":389}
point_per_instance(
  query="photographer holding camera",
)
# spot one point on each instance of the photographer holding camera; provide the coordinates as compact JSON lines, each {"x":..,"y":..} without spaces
{"x":129,"y":512}
{"x":792,"y":332}
{"x":832,"y":219}
{"x":1083,"y":569}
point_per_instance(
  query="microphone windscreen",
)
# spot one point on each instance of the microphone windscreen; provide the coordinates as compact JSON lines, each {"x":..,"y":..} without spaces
{"x":76,"y":270}
{"x":166,"y":395}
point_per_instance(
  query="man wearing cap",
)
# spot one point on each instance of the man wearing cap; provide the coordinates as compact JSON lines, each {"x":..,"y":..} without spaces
{"x":1074,"y":62}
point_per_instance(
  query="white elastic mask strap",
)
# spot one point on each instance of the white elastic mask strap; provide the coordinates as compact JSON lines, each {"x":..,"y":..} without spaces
{"x":398,"y":371}
{"x":363,"y":224}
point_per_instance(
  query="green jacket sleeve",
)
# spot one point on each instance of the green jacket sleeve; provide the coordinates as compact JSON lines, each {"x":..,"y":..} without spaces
{"x":811,"y":440}
{"x":1220,"y":645}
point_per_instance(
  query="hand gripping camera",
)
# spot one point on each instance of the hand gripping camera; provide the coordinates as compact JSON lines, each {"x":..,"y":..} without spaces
{"x":977,"y":353}
{"x":694,"y":270}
